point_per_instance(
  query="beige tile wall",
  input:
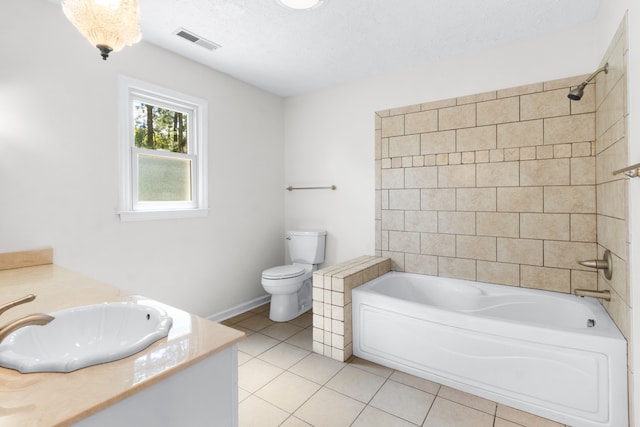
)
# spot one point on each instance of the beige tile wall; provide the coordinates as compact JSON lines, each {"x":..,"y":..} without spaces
{"x":497,"y":187}
{"x":512,"y":186}
{"x":332,"y":286}
{"x":612,"y":191}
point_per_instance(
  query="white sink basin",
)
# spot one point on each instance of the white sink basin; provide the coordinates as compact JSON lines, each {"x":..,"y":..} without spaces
{"x":83,"y":336}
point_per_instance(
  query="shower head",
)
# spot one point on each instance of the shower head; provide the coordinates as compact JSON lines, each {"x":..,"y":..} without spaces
{"x":576,"y":94}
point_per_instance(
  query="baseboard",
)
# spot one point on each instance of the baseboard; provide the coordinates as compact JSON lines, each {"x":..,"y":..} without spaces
{"x":239,"y":309}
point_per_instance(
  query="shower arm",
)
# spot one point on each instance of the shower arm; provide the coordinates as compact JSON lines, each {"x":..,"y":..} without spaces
{"x":604,"y":68}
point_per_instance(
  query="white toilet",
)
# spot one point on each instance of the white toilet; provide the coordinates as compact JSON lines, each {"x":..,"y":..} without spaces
{"x":290,"y":285}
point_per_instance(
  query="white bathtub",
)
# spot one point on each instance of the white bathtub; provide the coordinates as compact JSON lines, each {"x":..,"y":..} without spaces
{"x":529,"y":349}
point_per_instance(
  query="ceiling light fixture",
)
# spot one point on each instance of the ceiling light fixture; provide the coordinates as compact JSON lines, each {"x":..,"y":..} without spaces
{"x":109,"y":25}
{"x":300,"y":4}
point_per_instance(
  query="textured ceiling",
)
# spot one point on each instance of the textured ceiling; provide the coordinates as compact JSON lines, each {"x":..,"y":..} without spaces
{"x":290,"y":52}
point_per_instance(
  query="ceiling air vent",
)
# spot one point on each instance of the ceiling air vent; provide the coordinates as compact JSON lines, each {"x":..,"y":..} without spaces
{"x":187,"y":35}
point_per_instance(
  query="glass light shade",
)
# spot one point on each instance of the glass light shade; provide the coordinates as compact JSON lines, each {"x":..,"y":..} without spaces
{"x":107,"y":24}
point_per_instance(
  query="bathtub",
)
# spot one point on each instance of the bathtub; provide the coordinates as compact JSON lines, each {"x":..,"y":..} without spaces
{"x":555,"y":355}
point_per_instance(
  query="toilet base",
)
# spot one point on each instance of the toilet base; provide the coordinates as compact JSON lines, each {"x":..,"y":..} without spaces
{"x":285,"y":307}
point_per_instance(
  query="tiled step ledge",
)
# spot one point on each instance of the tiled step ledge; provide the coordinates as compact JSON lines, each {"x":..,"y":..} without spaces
{"x":332,"y":331}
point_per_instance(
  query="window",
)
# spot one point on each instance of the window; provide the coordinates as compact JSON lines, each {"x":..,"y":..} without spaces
{"x":163,"y":168}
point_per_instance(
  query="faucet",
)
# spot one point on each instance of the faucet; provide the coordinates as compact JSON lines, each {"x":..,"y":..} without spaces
{"x":32,"y":319}
{"x":606,"y":264}
{"x":605,"y":295}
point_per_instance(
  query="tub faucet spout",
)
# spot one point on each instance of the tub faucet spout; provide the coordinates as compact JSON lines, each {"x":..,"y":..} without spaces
{"x":605,"y":295}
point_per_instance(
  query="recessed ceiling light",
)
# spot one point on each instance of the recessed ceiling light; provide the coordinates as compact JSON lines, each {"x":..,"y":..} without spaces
{"x":300,"y":4}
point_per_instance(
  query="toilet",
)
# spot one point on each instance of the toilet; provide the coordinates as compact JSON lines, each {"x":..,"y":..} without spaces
{"x":290,"y":285}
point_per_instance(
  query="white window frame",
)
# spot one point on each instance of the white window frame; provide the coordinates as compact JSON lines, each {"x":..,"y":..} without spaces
{"x":131,"y":209}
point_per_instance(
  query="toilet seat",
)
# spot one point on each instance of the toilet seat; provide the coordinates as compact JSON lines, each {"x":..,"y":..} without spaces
{"x":283,"y":272}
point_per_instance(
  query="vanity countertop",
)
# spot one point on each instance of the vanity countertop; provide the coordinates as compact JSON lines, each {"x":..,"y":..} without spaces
{"x":60,"y":399}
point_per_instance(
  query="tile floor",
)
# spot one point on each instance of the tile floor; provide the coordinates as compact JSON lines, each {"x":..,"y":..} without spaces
{"x":283,"y":383}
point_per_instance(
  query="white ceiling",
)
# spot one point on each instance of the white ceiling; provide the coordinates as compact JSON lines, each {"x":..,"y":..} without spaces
{"x":290,"y":52}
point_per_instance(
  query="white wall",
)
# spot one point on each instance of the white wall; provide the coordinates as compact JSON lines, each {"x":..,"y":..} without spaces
{"x":329,"y":134}
{"x":59,"y":165}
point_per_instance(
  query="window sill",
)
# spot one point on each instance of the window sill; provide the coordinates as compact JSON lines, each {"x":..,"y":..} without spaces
{"x":127,"y":216}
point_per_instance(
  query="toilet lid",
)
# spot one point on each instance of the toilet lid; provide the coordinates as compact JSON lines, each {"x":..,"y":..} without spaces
{"x":283,"y":272}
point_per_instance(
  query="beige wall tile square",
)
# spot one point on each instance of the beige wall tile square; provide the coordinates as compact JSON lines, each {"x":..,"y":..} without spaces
{"x":430,"y":160}
{"x":496,"y":155}
{"x":498,"y":224}
{"x":457,"y":222}
{"x":457,"y":268}
{"x":544,"y":172}
{"x":468,"y":157}
{"x":550,"y":279}
{"x":583,"y":228}
{"x":404,"y":199}
{"x":438,"y":142}
{"x":581,"y":149}
{"x":407,"y":161}
{"x":503,"y":110}
{"x":457,"y":176}
{"x":478,"y":97}
{"x":568,"y":129}
{"x":476,"y":247}
{"x":421,"y":221}
{"x":544,"y":152}
{"x":424,"y":121}
{"x":545,"y":226}
{"x":482,"y":156}
{"x":476,"y":199}
{"x":584,"y":280}
{"x":567,"y":254}
{"x":438,"y":244}
{"x":396,"y":162}
{"x":418,"y":161}
{"x":613,"y":235}
{"x":520,"y":134}
{"x":400,"y":241}
{"x":443,"y":199}
{"x":527,"y":153}
{"x":442,"y":159}
{"x":520,"y":199}
{"x":561,"y":150}
{"x":392,"y":178}
{"x":544,"y":104}
{"x":421,"y":264}
{"x":520,"y":90}
{"x":612,"y":198}
{"x":520,"y":251}
{"x":392,"y":126}
{"x":393,"y":220}
{"x":455,"y":158}
{"x":503,"y":174}
{"x":423,"y":177}
{"x":498,"y":272}
{"x":463,"y":116}
{"x":404,"y":146}
{"x":404,"y":110}
{"x":570,"y":199}
{"x":583,"y":170}
{"x":511,"y":154}
{"x":476,"y":138}
{"x":611,"y":109}
{"x":434,"y":105}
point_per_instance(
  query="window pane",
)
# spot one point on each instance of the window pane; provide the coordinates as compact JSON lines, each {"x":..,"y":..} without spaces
{"x":163,"y":179}
{"x":159,"y":128}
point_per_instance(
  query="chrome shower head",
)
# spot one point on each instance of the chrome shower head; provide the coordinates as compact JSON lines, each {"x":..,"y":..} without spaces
{"x":576,"y":94}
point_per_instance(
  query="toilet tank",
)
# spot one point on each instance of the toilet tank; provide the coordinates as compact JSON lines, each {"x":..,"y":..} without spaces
{"x":306,"y":246}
